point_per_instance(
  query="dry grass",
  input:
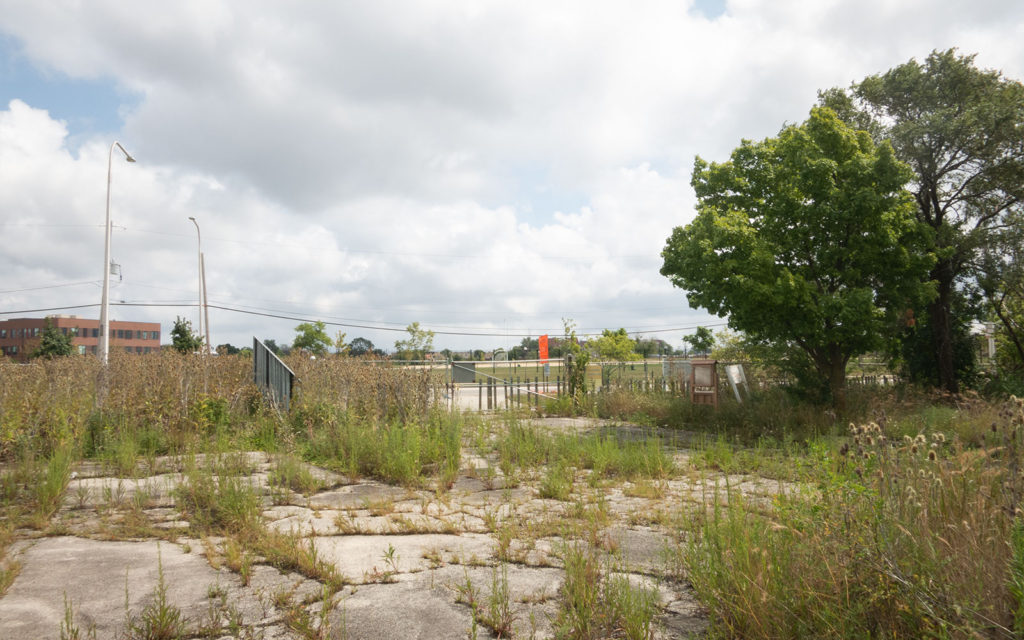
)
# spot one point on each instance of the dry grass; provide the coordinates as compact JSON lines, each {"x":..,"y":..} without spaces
{"x":909,"y":537}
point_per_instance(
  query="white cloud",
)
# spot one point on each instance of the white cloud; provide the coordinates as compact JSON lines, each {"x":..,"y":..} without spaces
{"x":485,"y":165}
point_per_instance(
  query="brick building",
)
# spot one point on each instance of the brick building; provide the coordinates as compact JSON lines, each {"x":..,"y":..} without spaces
{"x":20,"y":336}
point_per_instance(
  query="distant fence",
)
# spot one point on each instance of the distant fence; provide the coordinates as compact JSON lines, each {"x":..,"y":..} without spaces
{"x":271,"y":375}
{"x":497,"y":385}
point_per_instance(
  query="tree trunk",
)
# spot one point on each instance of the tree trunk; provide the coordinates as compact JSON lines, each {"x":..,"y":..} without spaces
{"x":832,"y":366}
{"x":940,"y":317}
{"x":837,"y":383}
{"x":1011,"y":332}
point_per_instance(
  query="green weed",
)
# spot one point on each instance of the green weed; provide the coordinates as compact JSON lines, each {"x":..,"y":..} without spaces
{"x":595,"y":602}
{"x":557,"y":481}
{"x":159,"y":620}
{"x":902,"y":537}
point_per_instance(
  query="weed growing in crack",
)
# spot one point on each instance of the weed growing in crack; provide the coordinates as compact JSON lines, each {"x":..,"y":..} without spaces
{"x":312,"y":626}
{"x":68,"y":629}
{"x":499,"y":616}
{"x":159,"y":620}
{"x":557,"y":482}
{"x":291,"y":473}
{"x":596,"y":602}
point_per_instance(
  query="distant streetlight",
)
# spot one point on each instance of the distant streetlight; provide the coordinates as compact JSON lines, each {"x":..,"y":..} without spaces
{"x":199,"y":271}
{"x":203,"y":311}
{"x":105,"y":303}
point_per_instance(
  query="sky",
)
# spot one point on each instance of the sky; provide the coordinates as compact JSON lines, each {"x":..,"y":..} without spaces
{"x":488,"y":169}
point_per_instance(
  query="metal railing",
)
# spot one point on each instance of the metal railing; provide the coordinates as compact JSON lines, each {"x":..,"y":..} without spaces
{"x":272,"y":376}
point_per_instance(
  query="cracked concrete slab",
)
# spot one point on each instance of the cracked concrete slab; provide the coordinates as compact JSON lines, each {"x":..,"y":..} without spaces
{"x":411,"y":552}
{"x":97,"y":577}
{"x":364,"y":558}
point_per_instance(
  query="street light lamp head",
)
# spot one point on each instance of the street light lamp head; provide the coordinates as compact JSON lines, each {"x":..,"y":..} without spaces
{"x":127,"y":156}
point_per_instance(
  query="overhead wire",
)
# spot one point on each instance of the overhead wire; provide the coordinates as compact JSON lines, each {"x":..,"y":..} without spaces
{"x":300,"y":318}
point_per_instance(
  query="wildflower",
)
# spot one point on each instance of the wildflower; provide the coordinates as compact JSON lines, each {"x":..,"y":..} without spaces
{"x":931,"y":455}
{"x":871,"y":441}
{"x":920,"y":439}
{"x":853,"y":428}
{"x":939,"y":437}
{"x":856,"y":439}
{"x":913,"y":449}
{"x":994,"y":427}
{"x":907,"y":439}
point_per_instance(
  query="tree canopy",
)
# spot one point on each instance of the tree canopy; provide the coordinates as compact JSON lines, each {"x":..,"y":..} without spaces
{"x":417,"y":345}
{"x":616,"y":346}
{"x":808,"y":238}
{"x":182,"y":337}
{"x":360,"y":347}
{"x":961,"y":130}
{"x":53,"y":343}
{"x":702,"y":340}
{"x":312,"y":337}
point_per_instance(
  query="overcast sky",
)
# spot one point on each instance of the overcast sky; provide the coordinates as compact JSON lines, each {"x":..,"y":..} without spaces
{"x":479,"y":167}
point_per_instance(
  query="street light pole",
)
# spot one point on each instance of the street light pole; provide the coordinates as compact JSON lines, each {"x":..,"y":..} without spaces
{"x":105,"y":302}
{"x":199,"y":258}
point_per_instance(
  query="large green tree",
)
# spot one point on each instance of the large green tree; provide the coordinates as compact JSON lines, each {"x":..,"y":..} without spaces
{"x":417,"y":345}
{"x":961,"y":129}
{"x":808,"y":239}
{"x":312,"y":337}
{"x":53,"y":343}
{"x":615,"y":346}
{"x":183,"y":339}
{"x":360,"y":347}
{"x":702,"y":340}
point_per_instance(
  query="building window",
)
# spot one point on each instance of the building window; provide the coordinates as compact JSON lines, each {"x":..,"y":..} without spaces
{"x":81,"y":349}
{"x":14,"y":350}
{"x":95,"y":333}
{"x":3,"y":333}
{"x":74,"y":331}
{"x":127,"y":349}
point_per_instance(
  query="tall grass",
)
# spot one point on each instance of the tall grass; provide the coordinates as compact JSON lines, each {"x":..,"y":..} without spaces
{"x":399,"y":452}
{"x":167,"y":402}
{"x":899,"y":537}
{"x":523,"y":447}
{"x":598,"y":602}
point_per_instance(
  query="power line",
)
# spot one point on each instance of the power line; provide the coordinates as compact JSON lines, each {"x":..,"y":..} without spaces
{"x":297,"y":318}
{"x":50,"y":286}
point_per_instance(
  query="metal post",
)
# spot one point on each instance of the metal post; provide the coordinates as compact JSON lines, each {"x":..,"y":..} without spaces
{"x":199,"y":264}
{"x":105,"y":302}
{"x":206,"y":305}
